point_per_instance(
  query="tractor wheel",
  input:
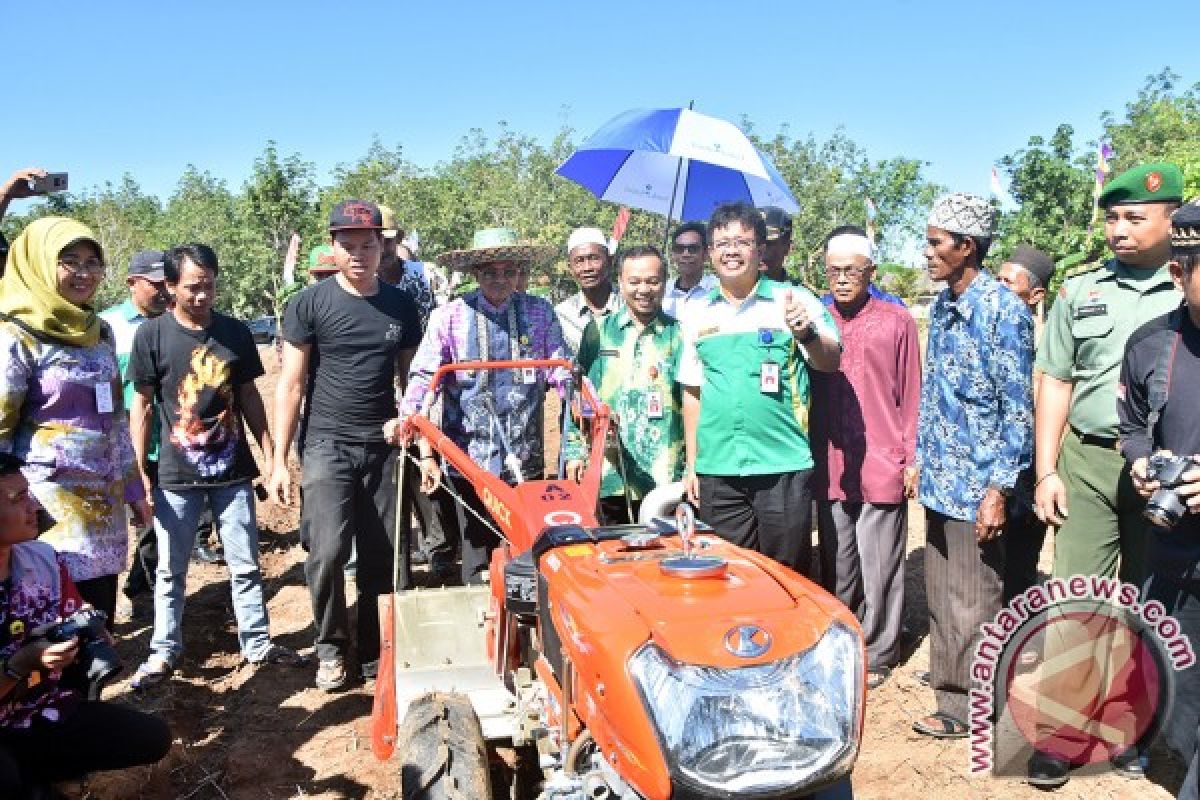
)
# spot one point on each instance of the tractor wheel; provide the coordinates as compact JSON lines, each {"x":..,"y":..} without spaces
{"x":442,"y":752}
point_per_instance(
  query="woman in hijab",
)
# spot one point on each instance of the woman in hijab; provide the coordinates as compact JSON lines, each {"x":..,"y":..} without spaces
{"x":60,"y":403}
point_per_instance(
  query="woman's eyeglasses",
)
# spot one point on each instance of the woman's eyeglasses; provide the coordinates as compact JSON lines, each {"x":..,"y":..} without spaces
{"x":93,"y":266}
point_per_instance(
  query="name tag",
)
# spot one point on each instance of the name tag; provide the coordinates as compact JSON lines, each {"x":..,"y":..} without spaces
{"x":104,"y":398}
{"x":610,"y":353}
{"x":654,"y":405}
{"x":1092,"y":310}
{"x":768,"y":377}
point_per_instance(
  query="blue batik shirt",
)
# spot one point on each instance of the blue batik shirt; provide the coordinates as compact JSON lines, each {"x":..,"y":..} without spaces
{"x":975,"y":427}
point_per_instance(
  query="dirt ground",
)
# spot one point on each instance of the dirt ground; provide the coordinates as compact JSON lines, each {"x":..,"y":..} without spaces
{"x":245,"y":734}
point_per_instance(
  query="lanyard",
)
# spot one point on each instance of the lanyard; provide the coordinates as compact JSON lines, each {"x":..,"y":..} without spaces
{"x":485,"y":345}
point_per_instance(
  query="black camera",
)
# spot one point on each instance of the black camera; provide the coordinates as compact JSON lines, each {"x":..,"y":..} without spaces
{"x":1166,"y":506}
{"x":97,"y":659}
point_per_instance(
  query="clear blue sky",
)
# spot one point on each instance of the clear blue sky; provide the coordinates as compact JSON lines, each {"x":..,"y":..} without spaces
{"x":99,"y":89}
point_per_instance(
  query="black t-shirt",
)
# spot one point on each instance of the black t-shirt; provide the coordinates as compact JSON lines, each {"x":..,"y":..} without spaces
{"x":196,"y":375}
{"x":352,"y":363}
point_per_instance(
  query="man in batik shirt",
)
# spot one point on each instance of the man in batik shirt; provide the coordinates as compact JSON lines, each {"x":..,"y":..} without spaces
{"x":495,"y":416}
{"x":631,"y":357}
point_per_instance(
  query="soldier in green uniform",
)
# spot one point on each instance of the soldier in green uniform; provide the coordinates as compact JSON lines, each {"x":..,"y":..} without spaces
{"x":1083,"y":483}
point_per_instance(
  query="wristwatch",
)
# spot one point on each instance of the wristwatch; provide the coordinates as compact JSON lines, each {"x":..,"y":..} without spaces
{"x":809,"y":333}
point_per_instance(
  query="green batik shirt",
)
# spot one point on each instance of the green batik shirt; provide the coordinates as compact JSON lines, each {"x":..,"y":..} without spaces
{"x":633,"y":369}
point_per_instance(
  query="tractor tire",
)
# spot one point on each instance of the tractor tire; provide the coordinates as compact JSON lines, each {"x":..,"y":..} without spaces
{"x":442,"y":752}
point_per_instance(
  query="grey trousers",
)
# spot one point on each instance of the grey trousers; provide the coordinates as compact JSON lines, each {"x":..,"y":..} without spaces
{"x":964,"y":583}
{"x":862,"y":564}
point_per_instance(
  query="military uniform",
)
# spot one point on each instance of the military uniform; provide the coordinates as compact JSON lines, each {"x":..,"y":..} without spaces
{"x":1084,"y":341}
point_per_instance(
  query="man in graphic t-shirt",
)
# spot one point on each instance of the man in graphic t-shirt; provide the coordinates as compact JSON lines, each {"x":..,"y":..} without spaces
{"x":199,"y":366}
{"x":345,"y":341}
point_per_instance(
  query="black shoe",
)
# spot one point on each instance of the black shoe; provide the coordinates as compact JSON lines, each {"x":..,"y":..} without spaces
{"x":1048,"y":772}
{"x":204,"y":554}
{"x":1131,"y":764}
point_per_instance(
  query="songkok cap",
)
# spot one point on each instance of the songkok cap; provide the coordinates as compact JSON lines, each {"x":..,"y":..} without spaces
{"x":1040,"y":265}
{"x":1157,"y":182}
{"x":350,"y":215}
{"x":779,"y":222}
{"x":148,"y":264}
{"x":1185,"y":229}
{"x":967,"y":214}
{"x":584,"y":236}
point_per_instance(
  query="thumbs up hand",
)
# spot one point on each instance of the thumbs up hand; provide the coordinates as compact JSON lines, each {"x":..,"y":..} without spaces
{"x":795,"y":314}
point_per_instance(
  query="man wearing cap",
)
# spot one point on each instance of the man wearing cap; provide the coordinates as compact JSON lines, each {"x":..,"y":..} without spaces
{"x":1156,"y":405}
{"x":1026,"y":273}
{"x":495,"y":416}
{"x":872,"y":289}
{"x":974,"y":436}
{"x":632,"y":356}
{"x":147,"y":299}
{"x":748,"y":352}
{"x":864,"y":433}
{"x":345,"y":341}
{"x":779,"y":243}
{"x":1083,"y":485}
{"x":591,"y":264}
{"x":321,"y":263}
{"x":397,"y":267}
{"x":691,"y":283}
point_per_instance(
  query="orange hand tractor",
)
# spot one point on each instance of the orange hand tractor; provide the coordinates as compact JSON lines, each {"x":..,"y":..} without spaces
{"x":652,"y":661}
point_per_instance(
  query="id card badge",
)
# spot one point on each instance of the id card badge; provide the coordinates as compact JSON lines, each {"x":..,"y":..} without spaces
{"x":768,"y":377}
{"x":529,"y":375}
{"x":654,"y":405}
{"x":104,"y":398}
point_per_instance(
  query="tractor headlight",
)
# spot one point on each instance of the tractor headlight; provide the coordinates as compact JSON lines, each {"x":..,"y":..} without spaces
{"x":789,"y":724}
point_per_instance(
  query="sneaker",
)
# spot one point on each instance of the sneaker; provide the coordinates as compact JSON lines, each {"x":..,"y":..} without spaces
{"x":205,"y":554}
{"x":278,"y":655}
{"x":331,"y":674}
{"x":153,"y":672}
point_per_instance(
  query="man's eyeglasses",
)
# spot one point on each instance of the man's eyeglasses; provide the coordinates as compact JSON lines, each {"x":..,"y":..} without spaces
{"x":93,"y":266}
{"x":497,"y":274}
{"x":849,"y":272}
{"x":690,"y":249}
{"x":735,"y":244}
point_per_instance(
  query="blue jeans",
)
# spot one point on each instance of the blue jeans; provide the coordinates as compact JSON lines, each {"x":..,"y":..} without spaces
{"x":176,"y":515}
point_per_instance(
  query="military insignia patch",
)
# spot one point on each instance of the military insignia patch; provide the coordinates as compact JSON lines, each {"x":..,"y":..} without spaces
{"x":1154,"y":181}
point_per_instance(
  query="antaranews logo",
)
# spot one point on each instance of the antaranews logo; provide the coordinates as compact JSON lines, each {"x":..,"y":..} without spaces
{"x":1077,"y":668}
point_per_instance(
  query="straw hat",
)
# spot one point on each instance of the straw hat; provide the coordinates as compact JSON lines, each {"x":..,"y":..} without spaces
{"x":495,"y":244}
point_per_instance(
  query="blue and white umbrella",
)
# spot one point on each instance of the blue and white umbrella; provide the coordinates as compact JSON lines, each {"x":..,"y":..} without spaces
{"x":678,"y":161}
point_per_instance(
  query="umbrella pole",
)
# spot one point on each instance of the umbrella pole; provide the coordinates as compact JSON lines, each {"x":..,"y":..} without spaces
{"x":671,"y":207}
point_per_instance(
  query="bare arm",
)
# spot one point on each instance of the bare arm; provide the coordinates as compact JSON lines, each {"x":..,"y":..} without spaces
{"x":691,"y":421}
{"x":1049,"y":422}
{"x":288,"y":394}
{"x":255,"y":415}
{"x":141,"y":417}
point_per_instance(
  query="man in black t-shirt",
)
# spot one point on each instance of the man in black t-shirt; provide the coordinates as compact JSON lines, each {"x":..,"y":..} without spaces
{"x":346,"y":340}
{"x":1156,"y":408}
{"x":199,"y":366}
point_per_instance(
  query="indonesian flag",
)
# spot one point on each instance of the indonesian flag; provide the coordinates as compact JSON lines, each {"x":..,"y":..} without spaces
{"x":997,"y":187}
{"x":289,"y":261}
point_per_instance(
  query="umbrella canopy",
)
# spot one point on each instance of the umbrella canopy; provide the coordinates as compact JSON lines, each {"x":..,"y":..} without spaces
{"x":677,"y":162}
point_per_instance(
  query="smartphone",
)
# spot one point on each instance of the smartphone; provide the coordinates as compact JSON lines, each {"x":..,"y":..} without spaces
{"x":50,"y":183}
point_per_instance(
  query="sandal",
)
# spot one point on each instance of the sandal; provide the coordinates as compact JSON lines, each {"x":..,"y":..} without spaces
{"x":153,"y":672}
{"x":948,"y":728}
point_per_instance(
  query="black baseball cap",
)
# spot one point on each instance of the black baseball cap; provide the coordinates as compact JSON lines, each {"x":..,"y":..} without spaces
{"x":148,"y":264}
{"x":779,"y":222}
{"x":350,"y":215}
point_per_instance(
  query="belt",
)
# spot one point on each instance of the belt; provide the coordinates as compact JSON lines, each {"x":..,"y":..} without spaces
{"x":1107,"y":442}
